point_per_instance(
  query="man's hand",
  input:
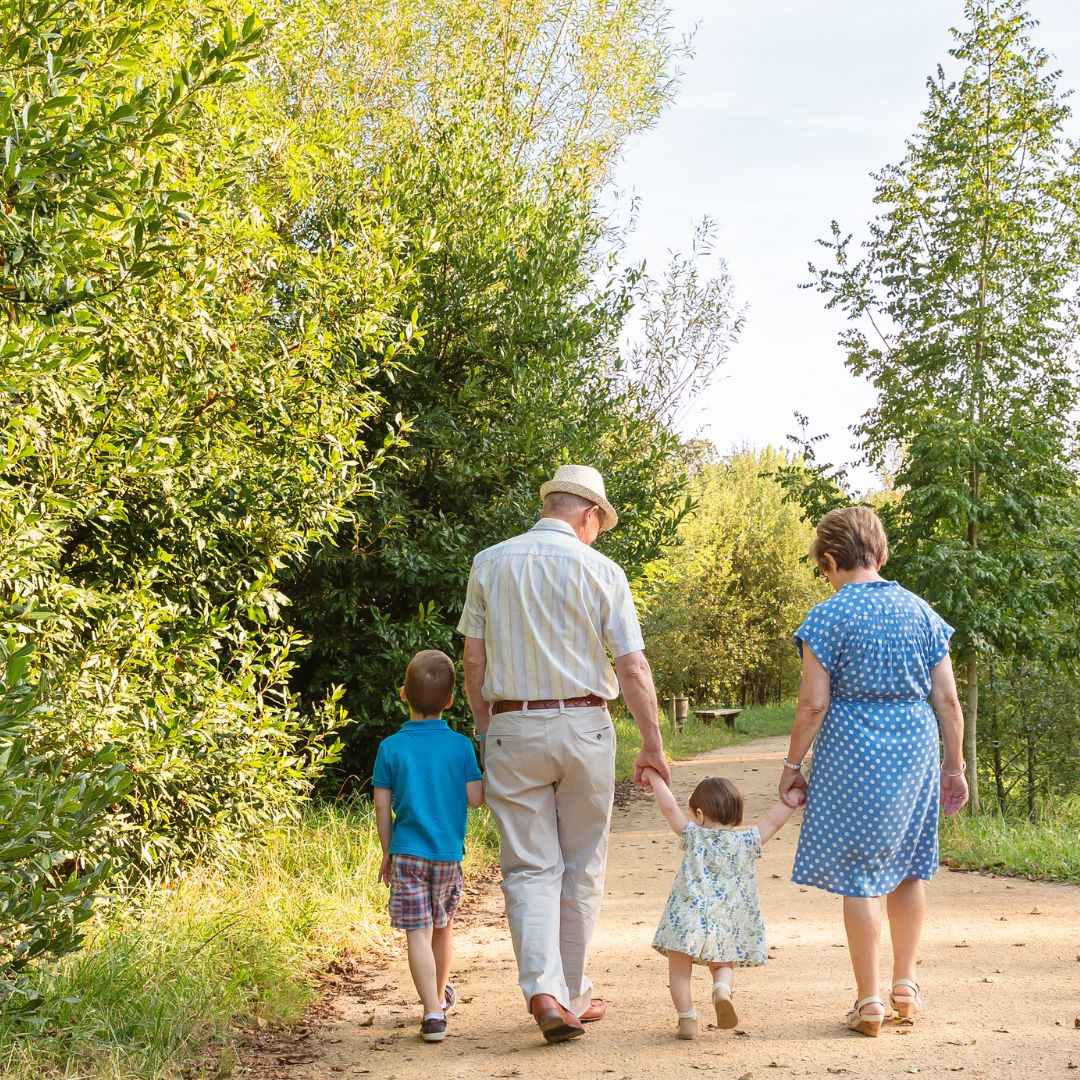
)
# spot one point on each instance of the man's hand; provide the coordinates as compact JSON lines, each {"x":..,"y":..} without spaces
{"x":651,"y":759}
{"x":792,"y":788}
{"x":384,"y":870}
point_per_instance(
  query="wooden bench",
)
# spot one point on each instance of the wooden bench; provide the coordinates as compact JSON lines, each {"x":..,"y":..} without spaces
{"x":707,"y":716}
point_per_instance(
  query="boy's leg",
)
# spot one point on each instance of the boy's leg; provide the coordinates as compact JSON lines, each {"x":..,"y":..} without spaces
{"x":410,"y":910}
{"x":423,"y":969}
{"x":445,"y":885}
{"x":442,"y":946}
{"x":680,"y":967}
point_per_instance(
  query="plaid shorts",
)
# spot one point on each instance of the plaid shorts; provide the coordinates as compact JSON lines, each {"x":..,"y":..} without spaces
{"x":423,"y":893}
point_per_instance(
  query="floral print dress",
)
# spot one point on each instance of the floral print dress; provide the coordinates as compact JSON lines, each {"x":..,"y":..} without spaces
{"x":713,"y":914}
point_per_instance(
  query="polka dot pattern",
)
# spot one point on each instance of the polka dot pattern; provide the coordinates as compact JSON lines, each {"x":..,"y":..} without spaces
{"x":871,"y":815}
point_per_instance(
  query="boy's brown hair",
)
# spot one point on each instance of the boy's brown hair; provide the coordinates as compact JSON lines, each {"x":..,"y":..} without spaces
{"x":429,"y":682}
{"x":719,"y":800}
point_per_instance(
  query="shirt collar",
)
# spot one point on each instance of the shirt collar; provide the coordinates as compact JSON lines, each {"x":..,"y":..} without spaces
{"x":554,"y":525}
{"x":424,"y":725}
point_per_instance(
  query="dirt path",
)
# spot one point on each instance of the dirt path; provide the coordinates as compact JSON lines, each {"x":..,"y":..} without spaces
{"x":1001,"y":975}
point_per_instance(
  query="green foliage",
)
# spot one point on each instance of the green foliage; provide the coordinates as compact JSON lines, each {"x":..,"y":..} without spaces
{"x":964,"y":310}
{"x":1043,"y":848}
{"x":187,"y":404}
{"x":721,"y":604}
{"x":51,"y":811}
{"x":1031,"y":728}
{"x":506,"y":132}
{"x":231,"y":947}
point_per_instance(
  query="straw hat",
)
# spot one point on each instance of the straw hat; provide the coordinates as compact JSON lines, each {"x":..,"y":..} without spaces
{"x":585,"y":481}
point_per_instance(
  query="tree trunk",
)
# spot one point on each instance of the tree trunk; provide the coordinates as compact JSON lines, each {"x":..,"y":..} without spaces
{"x":970,"y":725}
{"x":1029,"y":734}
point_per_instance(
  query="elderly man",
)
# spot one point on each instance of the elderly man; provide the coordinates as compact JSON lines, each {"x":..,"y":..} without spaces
{"x":542,"y":612}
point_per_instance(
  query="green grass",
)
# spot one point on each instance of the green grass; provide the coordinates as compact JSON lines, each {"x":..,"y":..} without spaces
{"x":698,"y":738}
{"x":1046,"y":848}
{"x":227,"y":949}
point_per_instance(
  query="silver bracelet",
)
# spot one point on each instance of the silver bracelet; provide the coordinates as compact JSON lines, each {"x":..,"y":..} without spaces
{"x":796,"y":765}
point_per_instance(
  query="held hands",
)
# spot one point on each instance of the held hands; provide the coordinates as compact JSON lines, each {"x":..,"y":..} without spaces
{"x":384,"y":870}
{"x":792,"y":788}
{"x":651,"y":759}
{"x":954,"y":793}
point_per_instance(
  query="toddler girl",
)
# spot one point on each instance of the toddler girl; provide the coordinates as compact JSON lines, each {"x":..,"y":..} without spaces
{"x":712,"y":916}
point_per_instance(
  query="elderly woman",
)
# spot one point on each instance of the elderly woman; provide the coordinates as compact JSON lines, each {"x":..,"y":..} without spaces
{"x":872,"y":655}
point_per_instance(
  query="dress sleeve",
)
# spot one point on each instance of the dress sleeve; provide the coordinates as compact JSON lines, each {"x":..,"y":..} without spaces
{"x":752,"y":839}
{"x":821,"y":633}
{"x":687,"y":836}
{"x":939,"y":632}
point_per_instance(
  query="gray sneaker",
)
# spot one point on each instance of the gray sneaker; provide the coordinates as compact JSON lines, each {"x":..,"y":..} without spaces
{"x":433,"y":1029}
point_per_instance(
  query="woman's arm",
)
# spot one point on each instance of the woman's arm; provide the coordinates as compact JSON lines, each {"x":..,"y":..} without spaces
{"x":814,"y":694}
{"x":665,"y":801}
{"x":946,"y":704}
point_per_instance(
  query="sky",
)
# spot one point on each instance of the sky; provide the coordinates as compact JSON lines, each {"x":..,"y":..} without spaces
{"x":782,"y":113}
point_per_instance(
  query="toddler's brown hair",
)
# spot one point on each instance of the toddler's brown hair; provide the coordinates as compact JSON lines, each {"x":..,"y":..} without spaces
{"x":719,"y":800}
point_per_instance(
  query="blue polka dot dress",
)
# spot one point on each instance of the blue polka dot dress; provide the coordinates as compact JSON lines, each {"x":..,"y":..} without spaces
{"x":871,"y":815}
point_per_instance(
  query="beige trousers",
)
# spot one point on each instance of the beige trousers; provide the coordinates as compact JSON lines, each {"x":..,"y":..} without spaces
{"x":550,"y":781}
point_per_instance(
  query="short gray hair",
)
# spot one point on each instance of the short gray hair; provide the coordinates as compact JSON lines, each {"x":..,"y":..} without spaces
{"x":562,"y":502}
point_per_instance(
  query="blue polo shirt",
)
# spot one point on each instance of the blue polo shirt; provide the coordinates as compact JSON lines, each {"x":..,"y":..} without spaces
{"x":426,"y":766}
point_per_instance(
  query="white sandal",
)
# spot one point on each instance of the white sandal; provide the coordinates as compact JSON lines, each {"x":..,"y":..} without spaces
{"x":906,"y":1006}
{"x":866,"y":1025}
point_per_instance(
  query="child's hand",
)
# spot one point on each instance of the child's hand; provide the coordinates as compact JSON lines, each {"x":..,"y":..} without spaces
{"x":384,"y":870}
{"x":797,"y":796}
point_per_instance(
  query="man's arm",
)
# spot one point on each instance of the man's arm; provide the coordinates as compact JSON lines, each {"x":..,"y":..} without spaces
{"x":384,"y":823}
{"x":635,"y":681}
{"x":475,"y":669}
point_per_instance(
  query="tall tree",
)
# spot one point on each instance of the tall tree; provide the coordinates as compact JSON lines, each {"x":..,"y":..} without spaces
{"x":964,"y":311}
{"x":509,"y":119}
{"x":720,"y":605}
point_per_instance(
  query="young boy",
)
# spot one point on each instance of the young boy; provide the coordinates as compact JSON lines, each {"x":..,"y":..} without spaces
{"x":429,"y":775}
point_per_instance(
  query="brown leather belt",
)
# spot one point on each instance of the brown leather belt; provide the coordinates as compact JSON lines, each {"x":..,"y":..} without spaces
{"x":566,"y":703}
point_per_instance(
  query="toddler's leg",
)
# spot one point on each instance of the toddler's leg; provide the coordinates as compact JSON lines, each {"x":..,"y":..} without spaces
{"x":442,"y":946}
{"x":422,"y":967}
{"x":723,"y":979}
{"x":680,"y":967}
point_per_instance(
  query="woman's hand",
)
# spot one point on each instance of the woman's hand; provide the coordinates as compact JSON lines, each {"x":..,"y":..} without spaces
{"x":954,"y":792}
{"x":792,"y":788}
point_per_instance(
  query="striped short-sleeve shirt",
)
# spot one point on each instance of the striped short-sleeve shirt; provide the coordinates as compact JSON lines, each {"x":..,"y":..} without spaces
{"x":549,"y":609}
